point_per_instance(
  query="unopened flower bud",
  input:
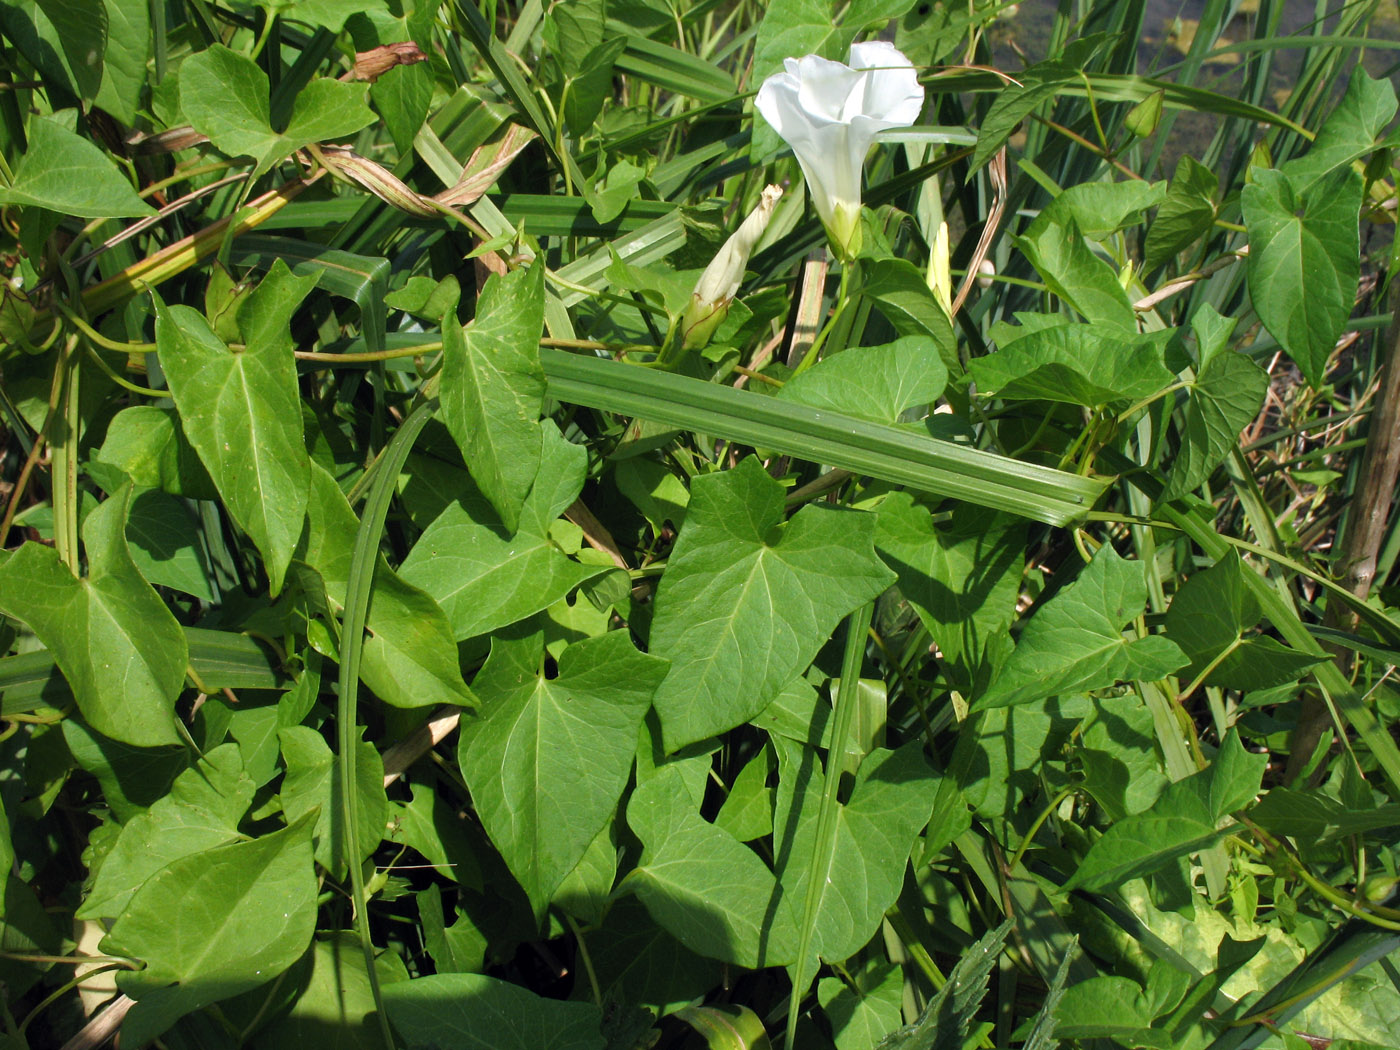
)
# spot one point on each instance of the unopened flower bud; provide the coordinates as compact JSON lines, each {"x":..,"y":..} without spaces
{"x":709,"y":303}
{"x":986,"y":270}
{"x":940,"y":272}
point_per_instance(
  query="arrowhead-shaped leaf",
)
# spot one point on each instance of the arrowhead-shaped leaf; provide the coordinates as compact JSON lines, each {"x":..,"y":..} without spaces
{"x":28,"y":27}
{"x":875,"y":830}
{"x":165,"y":545}
{"x":81,"y":26}
{"x":122,"y":651}
{"x":747,"y":813}
{"x":147,"y":445}
{"x":548,"y":760}
{"x":1211,"y":611}
{"x":746,"y":601}
{"x":225,"y":95}
{"x":402,"y":97}
{"x":1076,"y":642}
{"x":1185,"y":216}
{"x":872,"y":382}
{"x":962,"y":580}
{"x":1081,"y":364}
{"x":1350,"y":131}
{"x":1225,"y":397}
{"x":862,"y":1016}
{"x":124,"y":64}
{"x":410,"y":658}
{"x":312,"y":785}
{"x":1235,"y":776}
{"x":189,"y":923}
{"x":202,"y":811}
{"x":1182,"y":821}
{"x":132,"y":778}
{"x":484,"y":577}
{"x":1100,"y":209}
{"x":66,"y":173}
{"x":700,"y":884}
{"x":901,"y":292}
{"x":242,"y":412}
{"x":433,"y":825}
{"x":1075,"y":274}
{"x":493,"y":388}
{"x":1209,"y":617}
{"x":1304,"y":261}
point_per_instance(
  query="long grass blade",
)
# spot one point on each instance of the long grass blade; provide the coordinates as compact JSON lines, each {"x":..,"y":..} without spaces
{"x":824,"y":845}
{"x":357,"y":592}
{"x":890,"y":453}
{"x":674,"y":70}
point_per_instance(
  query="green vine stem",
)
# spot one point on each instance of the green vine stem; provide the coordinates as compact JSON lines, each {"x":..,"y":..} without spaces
{"x":1063,"y":794}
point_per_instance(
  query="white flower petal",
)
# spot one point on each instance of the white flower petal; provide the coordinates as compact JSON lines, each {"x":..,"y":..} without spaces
{"x":830,"y":113}
{"x":878,"y":54}
{"x":825,"y":87}
{"x":891,"y":92}
{"x":779,"y":103}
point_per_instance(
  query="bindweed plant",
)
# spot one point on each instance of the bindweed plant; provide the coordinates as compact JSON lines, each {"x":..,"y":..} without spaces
{"x":612,"y":524}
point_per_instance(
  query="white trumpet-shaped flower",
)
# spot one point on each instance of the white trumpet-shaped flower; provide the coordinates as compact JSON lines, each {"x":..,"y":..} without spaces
{"x":830,"y":113}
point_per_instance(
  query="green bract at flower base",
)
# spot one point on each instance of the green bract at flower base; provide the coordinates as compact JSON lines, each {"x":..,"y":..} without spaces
{"x":830,"y":113}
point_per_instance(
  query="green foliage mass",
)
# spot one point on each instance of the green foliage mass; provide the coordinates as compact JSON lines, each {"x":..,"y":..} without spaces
{"x":410,"y":638}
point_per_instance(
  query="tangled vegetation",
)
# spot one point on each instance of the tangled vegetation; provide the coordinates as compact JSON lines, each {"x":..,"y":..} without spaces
{"x":612,"y":524}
